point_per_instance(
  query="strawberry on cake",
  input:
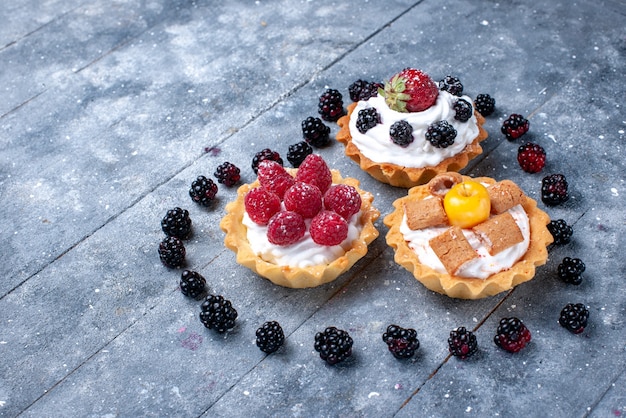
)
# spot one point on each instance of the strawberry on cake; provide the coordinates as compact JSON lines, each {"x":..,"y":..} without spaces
{"x":300,"y":228}
{"x":411,"y":129}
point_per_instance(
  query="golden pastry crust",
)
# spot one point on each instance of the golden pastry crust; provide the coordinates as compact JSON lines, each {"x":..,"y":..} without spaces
{"x":407,"y":177}
{"x":468,"y":288}
{"x":237,"y":241}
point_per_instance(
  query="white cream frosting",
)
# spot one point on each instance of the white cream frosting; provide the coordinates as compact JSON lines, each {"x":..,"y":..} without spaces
{"x":304,"y":253}
{"x":376,"y":144}
{"x":480,"y":267}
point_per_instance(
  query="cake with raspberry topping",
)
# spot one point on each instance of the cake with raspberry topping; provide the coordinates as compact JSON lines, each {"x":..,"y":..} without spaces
{"x":412,"y":129}
{"x":468,"y":238}
{"x":300,"y":227}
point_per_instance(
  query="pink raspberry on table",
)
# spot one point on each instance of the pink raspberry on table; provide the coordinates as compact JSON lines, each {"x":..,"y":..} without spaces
{"x":285,"y":228}
{"x":304,"y":199}
{"x":328,"y":228}
{"x":343,"y":199}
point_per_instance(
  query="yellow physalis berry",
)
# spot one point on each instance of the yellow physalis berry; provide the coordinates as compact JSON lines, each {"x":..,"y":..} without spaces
{"x":467,"y":204}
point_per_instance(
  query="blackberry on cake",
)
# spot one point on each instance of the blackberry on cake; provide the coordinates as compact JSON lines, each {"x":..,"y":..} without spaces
{"x":176,"y":223}
{"x":452,"y":85}
{"x":571,"y":269}
{"x":462,"y":343}
{"x":401,"y":342}
{"x":218,"y":313}
{"x":441,"y":134}
{"x":192,"y":284}
{"x":270,"y":337}
{"x":512,"y":335}
{"x":485,"y":104}
{"x":315,"y":132}
{"x":363,"y":90}
{"x":401,"y":133}
{"x":172,"y":252}
{"x":265,"y":154}
{"x":574,"y":317}
{"x":227,"y":174}
{"x":367,"y":119}
{"x":330,"y":105}
{"x":203,"y":191}
{"x":298,"y":152}
{"x":333,"y":344}
{"x":531,"y":157}
{"x":561,"y":231}
{"x":514,"y":126}
{"x":554,"y":189}
{"x":463,"y":110}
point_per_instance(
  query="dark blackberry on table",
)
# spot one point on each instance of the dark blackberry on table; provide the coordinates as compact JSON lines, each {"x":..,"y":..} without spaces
{"x":441,"y":134}
{"x":561,"y":231}
{"x":227,"y":174}
{"x":265,"y":154}
{"x":463,"y":110}
{"x":554,"y":189}
{"x":531,"y":157}
{"x":462,"y":343}
{"x":176,"y":223}
{"x":192,"y":283}
{"x":574,"y":317}
{"x":330,"y":105}
{"x":363,"y":90}
{"x":401,"y":342}
{"x":401,"y":133}
{"x":315,"y":132}
{"x":172,"y":252}
{"x":514,"y":126}
{"x":512,"y":335}
{"x":298,"y":152}
{"x":334,"y":345}
{"x":367,"y":119}
{"x":571,"y":269}
{"x":203,"y":191}
{"x":218,"y":313}
{"x":269,"y":337}
{"x":485,"y":104}
{"x":452,"y":85}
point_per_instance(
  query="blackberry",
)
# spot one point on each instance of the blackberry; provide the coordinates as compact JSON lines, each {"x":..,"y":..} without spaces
{"x":269,"y":337}
{"x":462,"y":343}
{"x":265,"y":154}
{"x":315,"y":132}
{"x":561,"y":231}
{"x":514,"y":126}
{"x":485,"y":104}
{"x":203,"y":191}
{"x":512,"y":335}
{"x":334,"y":345}
{"x":401,"y":342}
{"x":227,"y":174}
{"x":452,"y":85}
{"x":367,"y":119}
{"x":531,"y":157}
{"x":463,"y":110}
{"x":176,"y":223}
{"x":192,"y":283}
{"x":554,"y":189}
{"x":441,"y":134}
{"x":574,"y":317}
{"x":331,"y":105}
{"x":298,"y":152}
{"x":172,"y":252}
{"x":218,"y":313}
{"x":571,"y":269}
{"x":363,"y":90}
{"x":401,"y":133}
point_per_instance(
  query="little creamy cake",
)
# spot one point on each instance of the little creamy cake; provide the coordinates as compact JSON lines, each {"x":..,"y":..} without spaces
{"x":412,"y":130}
{"x":300,"y":228}
{"x":468,"y":238}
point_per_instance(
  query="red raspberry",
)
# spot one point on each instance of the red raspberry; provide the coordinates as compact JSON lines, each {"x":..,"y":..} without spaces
{"x":274,"y":177}
{"x":343,"y":199}
{"x":328,"y":228}
{"x":531,"y":157}
{"x":261,"y":205}
{"x":285,"y":228}
{"x":314,"y":170}
{"x":304,"y":199}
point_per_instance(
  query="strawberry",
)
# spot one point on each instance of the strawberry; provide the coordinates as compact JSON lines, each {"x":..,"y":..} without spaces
{"x":410,"y":90}
{"x":314,"y":170}
{"x":328,"y":228}
{"x":304,"y":199}
{"x":274,"y":177}
{"x":261,"y":205}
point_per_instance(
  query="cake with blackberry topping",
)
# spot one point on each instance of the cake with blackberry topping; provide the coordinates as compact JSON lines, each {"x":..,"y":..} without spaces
{"x":412,"y":129}
{"x":300,"y":227}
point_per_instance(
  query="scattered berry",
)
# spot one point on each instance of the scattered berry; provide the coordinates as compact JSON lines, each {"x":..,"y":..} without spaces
{"x":218,"y":313}
{"x":410,"y":90}
{"x":274,"y":178}
{"x":441,"y":134}
{"x":227,"y":174}
{"x":315,"y":132}
{"x":512,"y":335}
{"x":298,"y":152}
{"x":334,"y":345}
{"x":192,"y":283}
{"x":463,"y":110}
{"x":285,"y":228}
{"x":314,"y":170}
{"x":367,"y":119}
{"x":343,"y":199}
{"x":531,"y":157}
{"x":331,"y":105}
{"x":261,"y":205}
{"x":172,"y":252}
{"x":265,"y":154}
{"x":402,"y":342}
{"x":571,"y":270}
{"x":554,"y":189}
{"x":561,"y":231}
{"x":363,"y":90}
{"x":485,"y":104}
{"x":176,"y":223}
{"x":304,"y":199}
{"x":269,"y":337}
{"x":203,"y":191}
{"x":462,"y":343}
{"x":452,"y":85}
{"x":514,"y":126}
{"x":574,"y":317}
{"x":328,"y":228}
{"x":401,"y":133}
